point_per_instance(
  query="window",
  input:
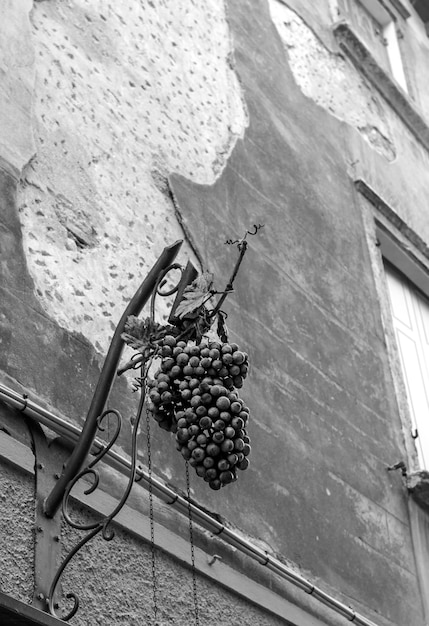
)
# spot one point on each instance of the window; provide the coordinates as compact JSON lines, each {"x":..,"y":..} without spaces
{"x":376,"y":24}
{"x":410,"y":314}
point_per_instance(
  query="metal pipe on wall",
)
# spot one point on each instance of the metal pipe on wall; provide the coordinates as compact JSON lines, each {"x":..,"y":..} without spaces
{"x":169,"y":496}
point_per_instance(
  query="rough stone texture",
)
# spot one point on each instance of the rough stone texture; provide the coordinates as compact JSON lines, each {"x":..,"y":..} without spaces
{"x":16,"y":533}
{"x":17,"y":79}
{"x":332,"y":81}
{"x":114,"y":582}
{"x":95,"y":206}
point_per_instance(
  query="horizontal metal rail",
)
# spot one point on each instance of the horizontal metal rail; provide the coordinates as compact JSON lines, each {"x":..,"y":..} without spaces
{"x":169,"y":496}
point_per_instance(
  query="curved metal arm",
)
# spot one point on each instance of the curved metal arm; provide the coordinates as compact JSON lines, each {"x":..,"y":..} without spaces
{"x":83,"y":446}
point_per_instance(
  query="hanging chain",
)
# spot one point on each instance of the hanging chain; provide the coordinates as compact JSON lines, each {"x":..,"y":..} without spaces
{"x":191,"y":538}
{"x":152,"y":533}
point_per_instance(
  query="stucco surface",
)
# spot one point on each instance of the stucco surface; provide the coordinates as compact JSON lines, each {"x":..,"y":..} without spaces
{"x":114,"y":581}
{"x":152,"y":90}
{"x":16,"y":533}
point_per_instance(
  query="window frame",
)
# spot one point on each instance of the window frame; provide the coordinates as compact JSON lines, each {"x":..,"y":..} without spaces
{"x":390,"y":238}
{"x":389,"y":17}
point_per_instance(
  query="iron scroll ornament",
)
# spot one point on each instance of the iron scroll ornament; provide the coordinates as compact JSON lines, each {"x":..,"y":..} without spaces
{"x":104,"y":525}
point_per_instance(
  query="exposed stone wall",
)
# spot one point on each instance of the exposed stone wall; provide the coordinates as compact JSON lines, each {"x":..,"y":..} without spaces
{"x":114,"y":115}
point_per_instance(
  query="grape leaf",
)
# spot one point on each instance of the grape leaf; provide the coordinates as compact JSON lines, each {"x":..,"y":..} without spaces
{"x":221,"y":329}
{"x":144,"y":331}
{"x":195,"y":295}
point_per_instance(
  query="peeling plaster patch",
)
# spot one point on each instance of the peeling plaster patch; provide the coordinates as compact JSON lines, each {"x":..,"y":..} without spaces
{"x":125,"y":94}
{"x":332,"y":82}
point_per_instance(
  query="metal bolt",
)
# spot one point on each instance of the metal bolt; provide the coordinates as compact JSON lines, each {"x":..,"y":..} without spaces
{"x":40,"y":597}
{"x":57,"y":475}
{"x":212,"y":559}
{"x":39,"y":529}
{"x":56,"y":538}
{"x":40,"y":466}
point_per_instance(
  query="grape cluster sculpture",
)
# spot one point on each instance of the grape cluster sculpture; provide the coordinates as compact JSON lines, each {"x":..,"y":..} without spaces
{"x":194,"y":395}
{"x":194,"y":392}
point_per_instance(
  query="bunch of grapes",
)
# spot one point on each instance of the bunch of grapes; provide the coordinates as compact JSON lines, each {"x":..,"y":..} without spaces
{"x":194,"y":395}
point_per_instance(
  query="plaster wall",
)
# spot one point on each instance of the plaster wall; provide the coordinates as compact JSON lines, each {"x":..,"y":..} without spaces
{"x":115,"y":583}
{"x":325,"y":423}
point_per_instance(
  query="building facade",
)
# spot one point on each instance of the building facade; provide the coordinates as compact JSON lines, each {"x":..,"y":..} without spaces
{"x":128,"y":126}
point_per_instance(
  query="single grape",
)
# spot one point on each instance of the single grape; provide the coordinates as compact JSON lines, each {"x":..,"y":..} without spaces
{"x":213,"y":449}
{"x":222,"y":403}
{"x":229,"y":432}
{"x":169,"y":340}
{"x":182,"y":359}
{"x":232,"y":459}
{"x":205,"y":422}
{"x":198,"y":454}
{"x":218,"y":437}
{"x":213,"y":412}
{"x":227,"y":446}
{"x":239,"y":445}
{"x":201,"y":411}
{"x":223,"y":465}
{"x":226,"y":477}
{"x":247,"y":449}
{"x":211,"y":473}
{"x":186,"y":453}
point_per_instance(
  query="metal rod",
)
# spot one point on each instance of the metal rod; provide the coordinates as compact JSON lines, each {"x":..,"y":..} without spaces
{"x":169,"y":496}
{"x":102,"y":390}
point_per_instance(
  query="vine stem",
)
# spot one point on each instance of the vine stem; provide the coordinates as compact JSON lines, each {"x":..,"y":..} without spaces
{"x":229,"y":287}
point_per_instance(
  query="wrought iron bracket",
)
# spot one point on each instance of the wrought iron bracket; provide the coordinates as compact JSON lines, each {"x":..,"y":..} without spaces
{"x":47,"y":546}
{"x":108,"y":372}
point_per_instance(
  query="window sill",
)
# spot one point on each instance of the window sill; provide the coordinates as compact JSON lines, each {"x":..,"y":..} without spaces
{"x":359,"y":54}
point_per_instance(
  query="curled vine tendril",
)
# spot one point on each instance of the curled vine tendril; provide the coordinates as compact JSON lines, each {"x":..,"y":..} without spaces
{"x":240,"y":242}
